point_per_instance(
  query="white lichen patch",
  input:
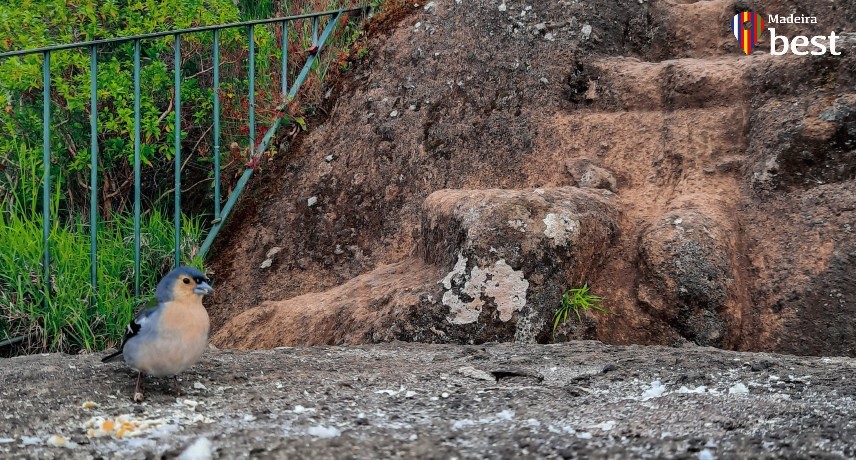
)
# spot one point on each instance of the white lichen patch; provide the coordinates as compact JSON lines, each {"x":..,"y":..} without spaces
{"x":518,"y":224}
{"x":561,"y":228}
{"x":506,"y":286}
{"x":461,"y":312}
{"x":458,"y":271}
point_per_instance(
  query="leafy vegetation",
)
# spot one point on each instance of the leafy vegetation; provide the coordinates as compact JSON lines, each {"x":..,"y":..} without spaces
{"x":65,"y":314}
{"x":579,"y":301}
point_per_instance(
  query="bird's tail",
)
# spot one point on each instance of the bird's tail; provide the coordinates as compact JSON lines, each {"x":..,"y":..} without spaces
{"x":114,"y":357}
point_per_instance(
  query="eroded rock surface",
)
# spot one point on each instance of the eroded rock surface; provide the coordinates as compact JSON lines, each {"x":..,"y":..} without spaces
{"x":492,"y":267}
{"x":653,"y":100}
{"x":688,"y":276}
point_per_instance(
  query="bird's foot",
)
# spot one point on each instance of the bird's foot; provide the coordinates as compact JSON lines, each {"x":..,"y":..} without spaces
{"x":138,"y":390}
{"x":176,"y":387}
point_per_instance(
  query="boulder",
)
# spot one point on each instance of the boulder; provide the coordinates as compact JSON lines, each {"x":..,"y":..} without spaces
{"x":509,"y":254}
{"x":587,"y":174}
{"x":687,"y":276}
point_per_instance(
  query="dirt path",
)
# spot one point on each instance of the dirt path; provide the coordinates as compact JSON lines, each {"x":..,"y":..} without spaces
{"x":573,"y":400}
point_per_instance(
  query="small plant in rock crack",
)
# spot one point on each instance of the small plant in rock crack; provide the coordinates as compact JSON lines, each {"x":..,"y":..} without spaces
{"x":578,"y":300}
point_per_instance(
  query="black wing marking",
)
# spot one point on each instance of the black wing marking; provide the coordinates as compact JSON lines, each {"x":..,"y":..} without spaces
{"x":132,"y":330}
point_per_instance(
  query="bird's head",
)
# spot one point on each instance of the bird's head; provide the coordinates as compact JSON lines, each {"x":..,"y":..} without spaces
{"x":183,"y":282}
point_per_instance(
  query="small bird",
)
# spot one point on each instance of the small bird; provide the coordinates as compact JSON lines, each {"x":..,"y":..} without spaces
{"x":168,"y":338}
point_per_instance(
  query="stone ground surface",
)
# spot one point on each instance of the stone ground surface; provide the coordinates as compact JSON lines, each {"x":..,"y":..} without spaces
{"x":571,"y":400}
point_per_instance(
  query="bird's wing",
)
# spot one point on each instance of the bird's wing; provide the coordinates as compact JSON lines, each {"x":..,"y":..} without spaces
{"x":137,"y":323}
{"x":133,"y":329}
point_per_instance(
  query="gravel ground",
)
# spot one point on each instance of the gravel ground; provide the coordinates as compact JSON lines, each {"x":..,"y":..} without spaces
{"x":573,"y":400}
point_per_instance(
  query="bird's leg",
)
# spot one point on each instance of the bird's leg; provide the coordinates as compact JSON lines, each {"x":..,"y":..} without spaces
{"x":175,"y":386}
{"x":138,"y":391}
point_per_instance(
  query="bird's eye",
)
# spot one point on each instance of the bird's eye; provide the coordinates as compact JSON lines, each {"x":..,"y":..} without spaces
{"x":186,"y":280}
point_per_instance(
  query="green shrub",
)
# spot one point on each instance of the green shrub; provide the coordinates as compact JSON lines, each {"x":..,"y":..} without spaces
{"x":25,"y":24}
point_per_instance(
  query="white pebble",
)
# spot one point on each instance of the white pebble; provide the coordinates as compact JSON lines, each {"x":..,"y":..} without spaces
{"x":738,"y":388}
{"x":321,"y":431}
{"x":705,"y":454}
{"x":201,"y":449}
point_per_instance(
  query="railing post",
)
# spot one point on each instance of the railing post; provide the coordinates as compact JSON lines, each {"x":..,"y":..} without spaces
{"x":284,"y":58}
{"x":177,"y":150}
{"x":314,"y":30}
{"x":137,"y":180}
{"x":216,"y":124}
{"x":93,"y":171}
{"x":46,"y":174}
{"x":304,"y":72}
{"x":252,"y":91}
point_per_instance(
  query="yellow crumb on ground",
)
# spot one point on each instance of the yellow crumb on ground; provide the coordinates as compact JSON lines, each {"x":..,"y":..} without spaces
{"x":124,"y":426}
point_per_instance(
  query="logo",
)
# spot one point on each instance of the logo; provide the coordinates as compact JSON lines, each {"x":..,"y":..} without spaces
{"x":748,"y":27}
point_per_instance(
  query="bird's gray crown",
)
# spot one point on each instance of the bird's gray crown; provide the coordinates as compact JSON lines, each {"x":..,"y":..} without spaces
{"x":165,"y":287}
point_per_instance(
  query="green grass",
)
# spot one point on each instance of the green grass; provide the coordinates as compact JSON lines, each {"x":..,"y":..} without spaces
{"x":579,"y":301}
{"x":69,"y":317}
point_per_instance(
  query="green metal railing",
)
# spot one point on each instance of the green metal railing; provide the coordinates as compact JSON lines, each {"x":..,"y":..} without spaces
{"x":256,"y":149}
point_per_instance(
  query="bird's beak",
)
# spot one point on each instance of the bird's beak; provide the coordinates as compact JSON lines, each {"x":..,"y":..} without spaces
{"x":203,"y":288}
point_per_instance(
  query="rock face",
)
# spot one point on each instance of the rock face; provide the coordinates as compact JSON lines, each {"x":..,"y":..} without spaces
{"x":492,"y":267}
{"x":377,"y":306}
{"x":707,"y":195}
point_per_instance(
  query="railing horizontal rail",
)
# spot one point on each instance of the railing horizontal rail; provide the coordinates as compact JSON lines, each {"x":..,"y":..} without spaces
{"x":105,"y":41}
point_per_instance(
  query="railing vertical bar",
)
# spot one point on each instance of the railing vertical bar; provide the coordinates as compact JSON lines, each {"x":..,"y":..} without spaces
{"x":216,"y":123}
{"x":315,"y":30}
{"x":93,"y":171}
{"x":284,"y":58}
{"x":252,"y":94}
{"x":177,"y":150}
{"x":46,"y":174}
{"x":304,"y":72}
{"x":245,"y":177}
{"x":137,"y":179}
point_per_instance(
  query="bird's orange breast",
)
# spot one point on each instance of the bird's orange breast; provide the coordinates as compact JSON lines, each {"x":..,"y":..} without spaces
{"x":181,"y":339}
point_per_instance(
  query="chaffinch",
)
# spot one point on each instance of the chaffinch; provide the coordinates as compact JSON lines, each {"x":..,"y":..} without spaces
{"x":168,"y":338}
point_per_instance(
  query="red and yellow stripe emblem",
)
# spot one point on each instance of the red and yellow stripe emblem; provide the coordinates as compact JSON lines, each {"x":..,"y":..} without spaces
{"x":748,"y":27}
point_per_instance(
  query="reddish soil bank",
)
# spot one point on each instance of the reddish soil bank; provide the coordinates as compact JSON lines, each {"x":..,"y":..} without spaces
{"x":709,"y":196}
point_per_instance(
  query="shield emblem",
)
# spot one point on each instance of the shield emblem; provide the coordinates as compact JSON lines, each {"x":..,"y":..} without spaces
{"x":748,"y":27}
